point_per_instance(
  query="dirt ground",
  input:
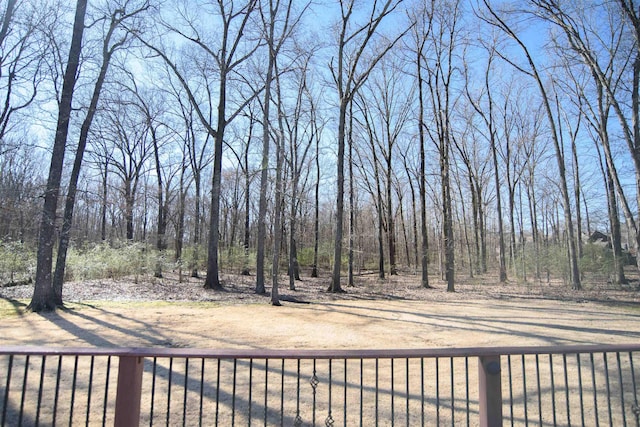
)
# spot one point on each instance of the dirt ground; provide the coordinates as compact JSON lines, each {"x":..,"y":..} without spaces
{"x":394,"y":313}
{"x":373,"y":314}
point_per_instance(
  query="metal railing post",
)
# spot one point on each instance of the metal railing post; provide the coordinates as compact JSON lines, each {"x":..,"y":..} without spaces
{"x":129,"y":391}
{"x":490,"y":391}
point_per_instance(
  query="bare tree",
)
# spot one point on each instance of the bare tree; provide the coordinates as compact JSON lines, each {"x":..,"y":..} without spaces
{"x":27,"y":35}
{"x":278,"y":231}
{"x":408,"y":159}
{"x":526,"y":156}
{"x":349,"y":71}
{"x":533,"y":72}
{"x":44,"y":298}
{"x":273,"y":45}
{"x":20,"y":185}
{"x":391,"y":107}
{"x":244,"y":161}
{"x":196,"y":147}
{"x":601,"y":41}
{"x":596,"y":113}
{"x":129,"y":133}
{"x":301,"y":137}
{"x":370,"y":166}
{"x":421,"y":31}
{"x":443,"y":42}
{"x":275,"y":36}
{"x":470,"y":148}
{"x":514,"y":152}
{"x":149,"y":102}
{"x":193,"y":162}
{"x":114,"y":40}
{"x":608,"y":59}
{"x":185,"y":180}
{"x":228,"y":50}
{"x":317,"y":129}
{"x":487,"y":115}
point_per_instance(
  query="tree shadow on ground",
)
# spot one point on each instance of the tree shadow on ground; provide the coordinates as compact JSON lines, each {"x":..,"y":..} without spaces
{"x":18,"y":306}
{"x":461,"y":322}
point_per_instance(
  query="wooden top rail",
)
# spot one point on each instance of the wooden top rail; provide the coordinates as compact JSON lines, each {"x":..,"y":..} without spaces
{"x":255,"y":353}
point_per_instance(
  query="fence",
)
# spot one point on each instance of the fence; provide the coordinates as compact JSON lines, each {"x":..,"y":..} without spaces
{"x":570,"y":385}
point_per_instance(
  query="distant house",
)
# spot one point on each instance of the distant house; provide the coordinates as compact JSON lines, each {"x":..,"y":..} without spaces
{"x":599,"y":237}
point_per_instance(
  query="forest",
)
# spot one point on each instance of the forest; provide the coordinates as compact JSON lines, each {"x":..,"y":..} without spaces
{"x":328,"y":138}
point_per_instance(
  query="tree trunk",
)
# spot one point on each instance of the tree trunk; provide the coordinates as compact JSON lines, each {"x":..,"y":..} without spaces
{"x":247,"y":225}
{"x":103,"y":213}
{"x":403,"y":226}
{"x":496,"y":173}
{"x":180,"y":222}
{"x":576,"y":191}
{"x":264,"y":177}
{"x":447,"y":217}
{"x":351,"y":199}
{"x":391,"y":233}
{"x":247,"y":201}
{"x":196,"y":224}
{"x":616,"y":236}
{"x":277,"y":227}
{"x":179,"y":243}
{"x":337,"y":254}
{"x":235,"y":214}
{"x":414,"y":223}
{"x":512,"y":223}
{"x":464,"y":230}
{"x":475,"y":207}
{"x":213,"y":279}
{"x":162,"y":216}
{"x":67,"y":220}
{"x":533,"y":215}
{"x":422,"y":179}
{"x":316,"y":212}
{"x":44,"y":298}
{"x":380,"y":213}
{"x":7,"y":19}
{"x":521,"y":231}
{"x":483,"y":234}
{"x":129,"y":200}
{"x":294,"y":267}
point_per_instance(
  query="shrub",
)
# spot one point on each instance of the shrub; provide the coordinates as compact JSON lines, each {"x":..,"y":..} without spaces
{"x":102,"y":260}
{"x":234,"y":259}
{"x":17,"y":262}
{"x":188,"y":257}
{"x":325,"y":255}
{"x":597,"y":259}
{"x":552,"y":260}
